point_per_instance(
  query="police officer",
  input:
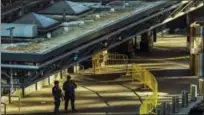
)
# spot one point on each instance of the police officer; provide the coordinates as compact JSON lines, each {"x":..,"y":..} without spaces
{"x":57,"y":94}
{"x":69,"y":87}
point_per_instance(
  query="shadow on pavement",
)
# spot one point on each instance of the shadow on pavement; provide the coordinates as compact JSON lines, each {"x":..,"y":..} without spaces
{"x":171,"y":72}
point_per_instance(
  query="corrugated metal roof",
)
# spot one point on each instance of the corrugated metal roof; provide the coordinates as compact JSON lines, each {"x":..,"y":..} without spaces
{"x":40,"y":20}
{"x":68,"y":7}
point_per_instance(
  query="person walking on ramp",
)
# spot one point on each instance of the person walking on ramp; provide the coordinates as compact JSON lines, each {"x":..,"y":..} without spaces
{"x":69,"y":87}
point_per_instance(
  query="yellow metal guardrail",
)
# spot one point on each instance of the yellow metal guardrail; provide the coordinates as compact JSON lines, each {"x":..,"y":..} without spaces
{"x":137,"y":72}
{"x":96,"y":63}
{"x":100,"y":60}
{"x":144,"y":76}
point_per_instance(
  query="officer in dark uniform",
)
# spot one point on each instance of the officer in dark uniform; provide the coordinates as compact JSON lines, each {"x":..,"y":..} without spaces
{"x":57,"y":94}
{"x":69,"y":87}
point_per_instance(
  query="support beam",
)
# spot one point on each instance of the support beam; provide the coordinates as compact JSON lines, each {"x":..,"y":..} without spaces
{"x":49,"y":81}
{"x":9,"y":96}
{"x":201,"y":87}
{"x":146,"y":43}
{"x":36,"y":86}
{"x":190,"y":42}
{"x":197,"y":49}
{"x":23,"y":91}
{"x":154,"y":35}
{"x":61,"y":75}
{"x":188,"y":23}
{"x":131,"y":49}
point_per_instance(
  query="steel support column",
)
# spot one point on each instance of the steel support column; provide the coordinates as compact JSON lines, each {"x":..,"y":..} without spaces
{"x":49,"y":81}
{"x":9,"y":96}
{"x":61,"y":76}
{"x":36,"y":86}
{"x":23,"y":91}
{"x":191,"y":45}
{"x":146,"y":43}
{"x":154,"y":35}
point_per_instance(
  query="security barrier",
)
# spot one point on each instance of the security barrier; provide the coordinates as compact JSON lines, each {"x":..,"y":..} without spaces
{"x":141,"y":74}
{"x":137,"y":72}
{"x":110,"y":60}
{"x":96,"y":64}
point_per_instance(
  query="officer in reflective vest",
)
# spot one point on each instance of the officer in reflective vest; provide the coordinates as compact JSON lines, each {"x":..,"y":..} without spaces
{"x":69,"y":87}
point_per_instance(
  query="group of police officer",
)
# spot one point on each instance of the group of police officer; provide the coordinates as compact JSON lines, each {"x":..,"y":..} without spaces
{"x":69,"y":87}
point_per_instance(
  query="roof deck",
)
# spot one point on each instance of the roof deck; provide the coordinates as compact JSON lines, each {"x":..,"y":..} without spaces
{"x":87,"y":30}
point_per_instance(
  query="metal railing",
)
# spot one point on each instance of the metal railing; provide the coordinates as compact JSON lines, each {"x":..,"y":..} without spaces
{"x":137,"y":72}
{"x":141,"y":74}
{"x":96,"y":64}
{"x":113,"y":60}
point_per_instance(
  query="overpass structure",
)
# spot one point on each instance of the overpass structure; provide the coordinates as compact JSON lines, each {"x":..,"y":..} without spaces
{"x":101,"y":29}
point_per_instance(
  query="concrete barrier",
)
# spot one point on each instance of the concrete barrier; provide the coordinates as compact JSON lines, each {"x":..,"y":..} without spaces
{"x":175,"y":104}
{"x":184,"y":98}
{"x":193,"y":92}
{"x":164,"y":108}
{"x":201,"y":87}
